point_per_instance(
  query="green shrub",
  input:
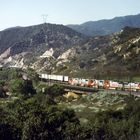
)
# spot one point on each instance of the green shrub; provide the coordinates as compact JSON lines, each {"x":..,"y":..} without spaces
{"x":55,"y":90}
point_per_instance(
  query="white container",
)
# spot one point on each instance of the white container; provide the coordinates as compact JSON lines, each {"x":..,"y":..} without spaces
{"x":66,"y":78}
{"x":59,"y":77}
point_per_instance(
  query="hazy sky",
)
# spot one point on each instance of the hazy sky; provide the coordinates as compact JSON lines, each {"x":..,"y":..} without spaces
{"x":29,"y":12}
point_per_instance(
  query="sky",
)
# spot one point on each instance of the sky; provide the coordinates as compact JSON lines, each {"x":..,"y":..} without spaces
{"x":30,"y":12}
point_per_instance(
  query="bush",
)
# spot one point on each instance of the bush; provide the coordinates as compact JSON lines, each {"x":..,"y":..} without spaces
{"x":55,"y":90}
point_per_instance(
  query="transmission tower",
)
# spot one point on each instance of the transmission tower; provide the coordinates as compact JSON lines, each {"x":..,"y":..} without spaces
{"x":44,"y":18}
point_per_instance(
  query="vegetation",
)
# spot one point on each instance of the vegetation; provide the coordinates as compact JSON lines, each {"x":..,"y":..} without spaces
{"x":119,"y":125}
{"x":29,"y":119}
{"x":54,"y":91}
{"x":38,"y":118}
{"x":47,"y":114}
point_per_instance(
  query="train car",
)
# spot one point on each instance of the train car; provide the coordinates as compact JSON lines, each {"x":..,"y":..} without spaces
{"x":73,"y":81}
{"x":112,"y":85}
{"x":77,"y":81}
{"x":83,"y":82}
{"x":54,"y":77}
{"x":65,"y":78}
{"x":138,"y":86}
{"x":100,"y":83}
{"x":42,"y":76}
{"x":93,"y":83}
{"x":132,"y":86}
{"x":106,"y":84}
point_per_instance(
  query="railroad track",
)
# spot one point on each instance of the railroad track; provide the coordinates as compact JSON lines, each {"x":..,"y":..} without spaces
{"x":78,"y":88}
{"x":89,"y":90}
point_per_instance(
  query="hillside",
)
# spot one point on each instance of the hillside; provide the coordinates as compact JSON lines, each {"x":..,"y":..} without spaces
{"x":114,"y":55}
{"x":58,"y":49}
{"x":106,"y":27}
{"x":22,"y":46}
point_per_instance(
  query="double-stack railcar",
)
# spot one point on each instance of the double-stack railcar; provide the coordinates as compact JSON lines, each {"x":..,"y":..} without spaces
{"x":53,"y":77}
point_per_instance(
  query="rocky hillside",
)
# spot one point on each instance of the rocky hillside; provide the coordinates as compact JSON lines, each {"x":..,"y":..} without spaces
{"x":58,"y":49}
{"x":22,"y":46}
{"x":105,"y":27}
{"x":113,"y":55}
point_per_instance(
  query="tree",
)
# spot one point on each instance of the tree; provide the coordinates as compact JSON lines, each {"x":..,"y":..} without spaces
{"x":55,"y":90}
{"x":20,"y":86}
{"x":33,"y":76}
{"x":28,"y":88}
{"x":16,"y":86}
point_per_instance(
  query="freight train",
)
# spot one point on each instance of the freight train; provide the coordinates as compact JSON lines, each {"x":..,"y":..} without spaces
{"x":93,"y":83}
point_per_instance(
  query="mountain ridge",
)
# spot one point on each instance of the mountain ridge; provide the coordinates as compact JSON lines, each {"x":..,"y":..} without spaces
{"x":107,"y":26}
